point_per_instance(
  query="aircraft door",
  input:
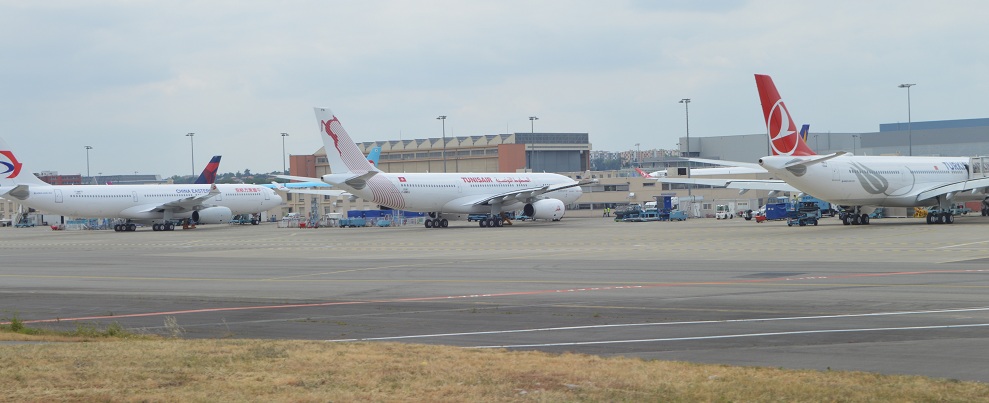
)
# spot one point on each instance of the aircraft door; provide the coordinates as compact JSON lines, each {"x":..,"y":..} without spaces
{"x":134,"y":195}
{"x":58,"y":195}
{"x":835,"y":173}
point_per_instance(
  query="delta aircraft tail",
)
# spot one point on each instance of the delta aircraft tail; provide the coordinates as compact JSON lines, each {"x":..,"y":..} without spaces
{"x":341,"y":151}
{"x":782,"y":132}
{"x":12,"y":171}
{"x":209,"y":173}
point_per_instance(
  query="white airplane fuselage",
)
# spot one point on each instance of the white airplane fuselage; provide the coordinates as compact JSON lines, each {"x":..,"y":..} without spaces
{"x":457,"y":193}
{"x":874,"y":180}
{"x":135,"y":201}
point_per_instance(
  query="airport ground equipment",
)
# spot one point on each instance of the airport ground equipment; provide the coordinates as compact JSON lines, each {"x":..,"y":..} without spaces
{"x":621,"y":211}
{"x":678,"y":215}
{"x":723,"y":212}
{"x":804,"y":213}
{"x":778,"y":211}
{"x":826,"y":208}
{"x":646,"y":215}
{"x":246,"y":219}
{"x":353,"y":222}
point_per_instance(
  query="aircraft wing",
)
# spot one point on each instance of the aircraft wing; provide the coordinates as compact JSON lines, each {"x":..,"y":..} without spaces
{"x":741,"y":184}
{"x":955,"y":187}
{"x":186,"y":203}
{"x":752,"y":165}
{"x":324,"y":192}
{"x":299,"y":178}
{"x":522,"y":194}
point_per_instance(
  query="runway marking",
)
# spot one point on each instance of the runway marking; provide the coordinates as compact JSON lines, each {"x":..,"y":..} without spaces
{"x":411,"y":265}
{"x":468,"y":296}
{"x":733,"y":336}
{"x":961,"y":244}
{"x":699,"y":322}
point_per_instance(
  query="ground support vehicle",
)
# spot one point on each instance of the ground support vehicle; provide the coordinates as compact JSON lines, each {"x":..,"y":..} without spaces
{"x":777,"y":211}
{"x":643,"y":216}
{"x":622,"y":211}
{"x":245,"y":219}
{"x":353,"y":222}
{"x":807,"y":212}
{"x":724,"y":212}
{"x":678,"y":215}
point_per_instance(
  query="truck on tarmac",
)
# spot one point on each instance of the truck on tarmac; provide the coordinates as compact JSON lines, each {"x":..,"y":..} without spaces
{"x":724,"y":212}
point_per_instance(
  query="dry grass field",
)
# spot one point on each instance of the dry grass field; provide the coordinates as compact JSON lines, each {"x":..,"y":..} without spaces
{"x":156,"y":369}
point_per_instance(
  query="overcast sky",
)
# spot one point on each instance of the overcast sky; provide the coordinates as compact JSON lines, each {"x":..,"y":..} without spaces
{"x":131,"y":78}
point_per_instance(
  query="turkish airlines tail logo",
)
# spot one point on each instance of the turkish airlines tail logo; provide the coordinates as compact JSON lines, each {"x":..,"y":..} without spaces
{"x":782,"y":132}
{"x":11,"y":165}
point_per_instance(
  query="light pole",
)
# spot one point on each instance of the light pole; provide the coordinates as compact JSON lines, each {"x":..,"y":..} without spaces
{"x":443,"y":119}
{"x":855,"y":146}
{"x":909,"y":118}
{"x":284,"y":135}
{"x":817,"y":147}
{"x":532,"y":139}
{"x":686,"y":111}
{"x":192,"y":153}
{"x":87,"y":159}
{"x":638,"y":160}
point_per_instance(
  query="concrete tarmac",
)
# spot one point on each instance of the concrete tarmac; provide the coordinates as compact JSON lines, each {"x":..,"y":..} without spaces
{"x":895,"y":297}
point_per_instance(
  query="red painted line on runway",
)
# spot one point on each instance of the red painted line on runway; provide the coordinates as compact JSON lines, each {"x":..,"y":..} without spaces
{"x":492,"y":295}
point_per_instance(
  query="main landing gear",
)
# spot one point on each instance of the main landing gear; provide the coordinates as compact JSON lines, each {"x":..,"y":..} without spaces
{"x":855,"y":219}
{"x":163,"y":227}
{"x":435,"y":221}
{"x":854,"y":216}
{"x":938,"y":217}
{"x":129,"y":227}
{"x":490,"y":222}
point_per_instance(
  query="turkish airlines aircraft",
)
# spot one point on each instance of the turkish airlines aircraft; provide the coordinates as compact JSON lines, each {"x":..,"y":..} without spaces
{"x":444,"y":196}
{"x":155,"y":204}
{"x":861,"y":183}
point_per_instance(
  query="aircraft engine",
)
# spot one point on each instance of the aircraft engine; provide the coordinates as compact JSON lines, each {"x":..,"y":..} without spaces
{"x":212,"y":215}
{"x":546,"y":209}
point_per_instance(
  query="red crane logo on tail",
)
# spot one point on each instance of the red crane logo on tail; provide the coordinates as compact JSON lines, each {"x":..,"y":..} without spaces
{"x":327,"y":128}
{"x":11,"y":166}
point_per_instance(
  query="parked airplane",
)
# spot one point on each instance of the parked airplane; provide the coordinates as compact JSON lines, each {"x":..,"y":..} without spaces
{"x":444,"y":196}
{"x":154,"y":204}
{"x":861,"y":183}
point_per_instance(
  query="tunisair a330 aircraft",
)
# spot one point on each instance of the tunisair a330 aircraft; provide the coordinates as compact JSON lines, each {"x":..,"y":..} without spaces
{"x":444,"y":196}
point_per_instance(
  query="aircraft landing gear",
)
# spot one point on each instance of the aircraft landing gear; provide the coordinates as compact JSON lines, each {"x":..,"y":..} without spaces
{"x":490,"y":222}
{"x":940,"y":218}
{"x":129,"y":227}
{"x":854,"y":217}
{"x":436,"y":222}
{"x":163,"y":227}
